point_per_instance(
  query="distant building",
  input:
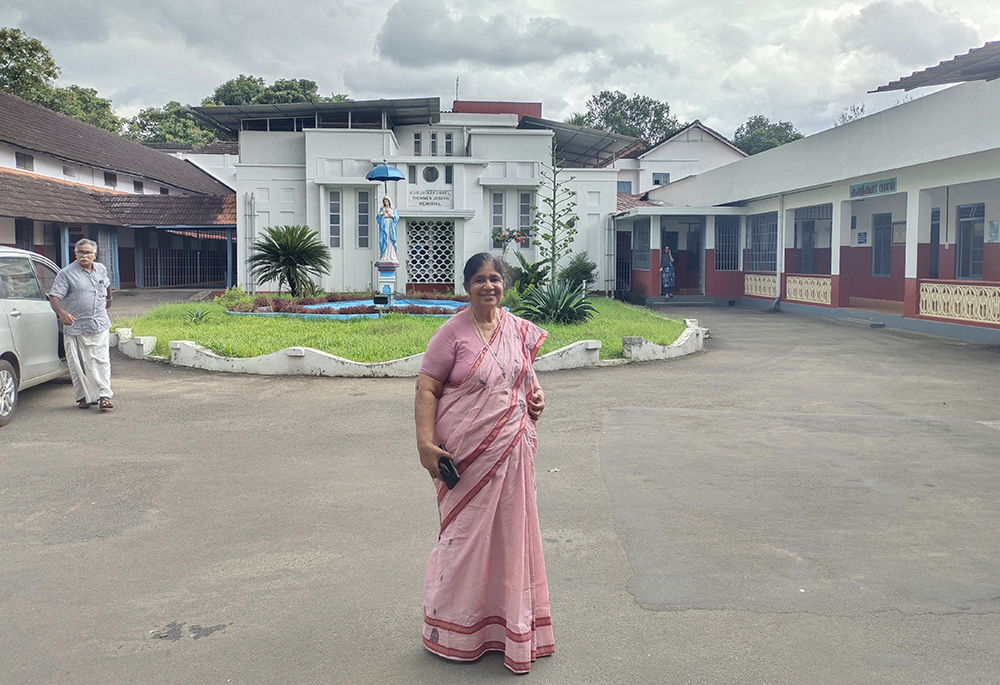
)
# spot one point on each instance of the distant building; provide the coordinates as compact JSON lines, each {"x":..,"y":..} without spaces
{"x":158,"y":221}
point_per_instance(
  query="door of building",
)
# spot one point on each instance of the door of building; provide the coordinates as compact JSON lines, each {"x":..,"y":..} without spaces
{"x":969,"y":255}
{"x":623,"y":262}
{"x":808,"y":264}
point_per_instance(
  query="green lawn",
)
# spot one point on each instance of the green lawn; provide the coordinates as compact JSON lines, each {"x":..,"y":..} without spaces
{"x":373,"y":340}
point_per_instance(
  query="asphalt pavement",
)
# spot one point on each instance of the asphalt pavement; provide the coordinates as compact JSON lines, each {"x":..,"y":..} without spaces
{"x":802,"y":502}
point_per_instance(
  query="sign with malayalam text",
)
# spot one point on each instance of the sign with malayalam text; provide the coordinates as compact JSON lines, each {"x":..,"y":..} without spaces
{"x":871,"y":188}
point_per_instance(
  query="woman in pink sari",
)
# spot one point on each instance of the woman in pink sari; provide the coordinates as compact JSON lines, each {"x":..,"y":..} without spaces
{"x":477,"y":402}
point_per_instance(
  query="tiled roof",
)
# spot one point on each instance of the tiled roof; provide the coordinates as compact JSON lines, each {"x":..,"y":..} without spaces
{"x":33,"y":197}
{"x":171,"y":210}
{"x":626,"y":201}
{"x":219,"y":147}
{"x":37,"y":129}
{"x":42,"y":199}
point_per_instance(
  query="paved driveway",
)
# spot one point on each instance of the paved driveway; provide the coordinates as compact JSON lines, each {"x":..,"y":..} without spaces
{"x":802,"y":503}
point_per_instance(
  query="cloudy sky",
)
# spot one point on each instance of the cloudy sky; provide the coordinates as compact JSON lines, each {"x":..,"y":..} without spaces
{"x":720,"y":61}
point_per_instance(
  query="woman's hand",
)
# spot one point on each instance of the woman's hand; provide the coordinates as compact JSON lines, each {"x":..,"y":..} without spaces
{"x":429,"y":455}
{"x":536,"y":404}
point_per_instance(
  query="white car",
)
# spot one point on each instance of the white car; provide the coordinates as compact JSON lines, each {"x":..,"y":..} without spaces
{"x":31,"y":350}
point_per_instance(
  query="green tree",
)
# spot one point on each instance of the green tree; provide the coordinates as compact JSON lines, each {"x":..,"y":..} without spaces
{"x":555,"y":224}
{"x":288,"y":255}
{"x":242,"y":90}
{"x":577,"y":119}
{"x":759,"y":134}
{"x":639,"y":116}
{"x":27,"y":68}
{"x":85,"y":104}
{"x":173,"y":123}
{"x":289,"y":90}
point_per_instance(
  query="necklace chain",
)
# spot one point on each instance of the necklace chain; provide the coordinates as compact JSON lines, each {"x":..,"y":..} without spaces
{"x":482,"y":336}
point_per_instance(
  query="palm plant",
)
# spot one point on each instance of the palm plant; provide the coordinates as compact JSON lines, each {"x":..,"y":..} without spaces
{"x":288,"y":255}
{"x":557,"y":302}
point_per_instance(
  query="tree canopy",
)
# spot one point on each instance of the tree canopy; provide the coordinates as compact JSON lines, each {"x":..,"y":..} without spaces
{"x":639,"y":116}
{"x":759,"y":134}
{"x":27,"y":68}
{"x":242,"y":90}
{"x":173,"y":124}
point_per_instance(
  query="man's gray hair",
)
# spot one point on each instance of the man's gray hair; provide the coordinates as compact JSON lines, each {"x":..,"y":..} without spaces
{"x":85,"y":241}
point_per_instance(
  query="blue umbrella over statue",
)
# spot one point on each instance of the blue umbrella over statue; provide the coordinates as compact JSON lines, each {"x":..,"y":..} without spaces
{"x":387,"y":216}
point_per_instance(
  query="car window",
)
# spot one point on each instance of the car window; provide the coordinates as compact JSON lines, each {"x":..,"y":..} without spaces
{"x":46,"y":274}
{"x":19,"y":280}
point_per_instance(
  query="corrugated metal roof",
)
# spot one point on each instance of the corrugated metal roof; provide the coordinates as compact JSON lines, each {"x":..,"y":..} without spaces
{"x":37,"y":129}
{"x":979,"y":64}
{"x":582,"y":147}
{"x":403,"y":112}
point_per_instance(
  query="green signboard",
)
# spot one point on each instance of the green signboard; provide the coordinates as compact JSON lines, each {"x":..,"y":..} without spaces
{"x":873,"y":188}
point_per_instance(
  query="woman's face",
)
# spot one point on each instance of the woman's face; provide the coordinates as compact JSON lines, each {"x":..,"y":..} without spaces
{"x":486,"y":287}
{"x":385,"y":202}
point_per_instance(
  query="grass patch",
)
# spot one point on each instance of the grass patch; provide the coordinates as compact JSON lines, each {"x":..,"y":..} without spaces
{"x":372,"y":340}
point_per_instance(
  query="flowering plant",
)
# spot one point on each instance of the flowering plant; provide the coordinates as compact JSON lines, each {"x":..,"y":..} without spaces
{"x":505,"y":236}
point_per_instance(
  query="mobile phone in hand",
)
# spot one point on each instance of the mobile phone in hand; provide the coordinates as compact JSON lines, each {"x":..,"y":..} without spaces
{"x":449,"y":474}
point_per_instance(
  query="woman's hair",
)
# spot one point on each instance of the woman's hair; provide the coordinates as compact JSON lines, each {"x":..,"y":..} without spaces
{"x":383,"y":201}
{"x":477,"y":262}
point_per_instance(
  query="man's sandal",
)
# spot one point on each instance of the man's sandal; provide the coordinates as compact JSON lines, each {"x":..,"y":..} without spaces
{"x":82,"y":404}
{"x":105,"y":404}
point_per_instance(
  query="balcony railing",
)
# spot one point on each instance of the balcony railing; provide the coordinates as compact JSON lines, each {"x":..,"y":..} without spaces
{"x":760,"y":285}
{"x":979,"y":302}
{"x":812,"y":289}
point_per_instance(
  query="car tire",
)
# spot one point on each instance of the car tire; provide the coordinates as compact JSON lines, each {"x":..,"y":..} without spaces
{"x":8,"y":392}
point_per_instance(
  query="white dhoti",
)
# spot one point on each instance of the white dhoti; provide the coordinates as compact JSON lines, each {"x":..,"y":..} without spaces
{"x":89,"y":365}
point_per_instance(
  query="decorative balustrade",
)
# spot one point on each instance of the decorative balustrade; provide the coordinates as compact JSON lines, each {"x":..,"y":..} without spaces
{"x":961,"y":301}
{"x":814,"y":289}
{"x":760,"y":285}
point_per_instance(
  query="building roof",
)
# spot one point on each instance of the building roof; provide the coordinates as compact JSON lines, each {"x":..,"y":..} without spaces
{"x":34,"y":128}
{"x":979,"y":64}
{"x":582,"y":147}
{"x":170,"y":210}
{"x":42,"y":199}
{"x":627,"y":201}
{"x":694,"y":124}
{"x":403,"y":112}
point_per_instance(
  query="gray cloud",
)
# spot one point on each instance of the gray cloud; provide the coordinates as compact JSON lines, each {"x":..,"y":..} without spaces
{"x":418,"y":33}
{"x":84,"y":21}
{"x":912,"y":33}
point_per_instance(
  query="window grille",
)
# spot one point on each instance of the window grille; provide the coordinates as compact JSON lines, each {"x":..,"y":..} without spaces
{"x":335,"y":222}
{"x":364,"y":219}
{"x":882,"y":245}
{"x":524,"y":216}
{"x":640,"y":245}
{"x":430,"y":256}
{"x":764,"y":242}
{"x":411,"y":174}
{"x":971,"y":225}
{"x":727,"y":243}
{"x":496,"y":215}
{"x":814,"y":212}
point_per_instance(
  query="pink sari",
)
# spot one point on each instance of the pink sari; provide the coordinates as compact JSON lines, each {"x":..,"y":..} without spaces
{"x":485,"y":587}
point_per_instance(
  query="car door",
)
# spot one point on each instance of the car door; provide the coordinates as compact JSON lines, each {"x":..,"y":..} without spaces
{"x":34,"y":326}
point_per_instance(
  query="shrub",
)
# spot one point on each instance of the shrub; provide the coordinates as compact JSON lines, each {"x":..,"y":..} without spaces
{"x":557,"y":303}
{"x":579,"y":270}
{"x":234,"y":296}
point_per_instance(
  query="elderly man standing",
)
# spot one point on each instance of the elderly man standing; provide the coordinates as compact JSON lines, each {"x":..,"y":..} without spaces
{"x":80,"y":297}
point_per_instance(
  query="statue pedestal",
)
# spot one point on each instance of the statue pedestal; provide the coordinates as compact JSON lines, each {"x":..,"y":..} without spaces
{"x":386,"y":282}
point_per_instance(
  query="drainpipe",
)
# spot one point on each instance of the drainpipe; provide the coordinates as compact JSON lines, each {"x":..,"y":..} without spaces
{"x":250,"y":216}
{"x":778,"y":258}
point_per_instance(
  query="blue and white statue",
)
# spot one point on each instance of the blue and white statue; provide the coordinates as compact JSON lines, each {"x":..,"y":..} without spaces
{"x":387,"y":219}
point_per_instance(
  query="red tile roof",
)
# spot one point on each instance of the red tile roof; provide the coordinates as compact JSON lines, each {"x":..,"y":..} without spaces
{"x":626,"y":201}
{"x":171,"y":210}
{"x":37,"y":129}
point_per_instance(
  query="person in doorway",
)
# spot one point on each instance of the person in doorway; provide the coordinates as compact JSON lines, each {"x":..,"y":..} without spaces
{"x":387,"y":219}
{"x":477,"y":402}
{"x":80,"y":297}
{"x":666,"y":271}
